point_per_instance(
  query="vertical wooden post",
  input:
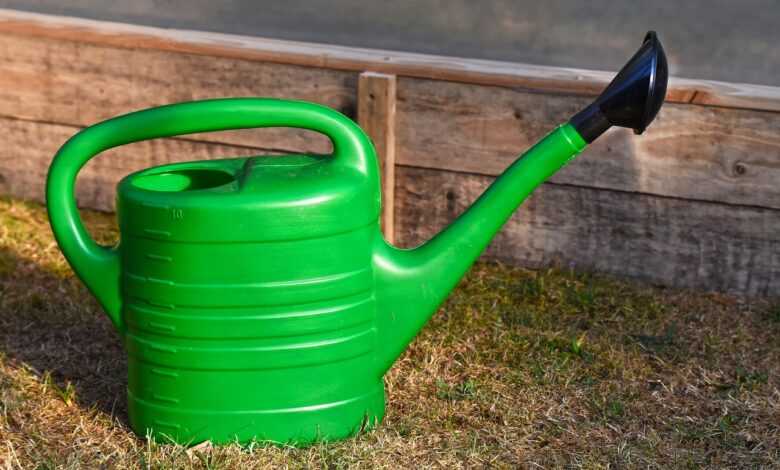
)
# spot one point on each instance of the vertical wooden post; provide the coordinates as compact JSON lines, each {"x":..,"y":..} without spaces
{"x":376,"y":115}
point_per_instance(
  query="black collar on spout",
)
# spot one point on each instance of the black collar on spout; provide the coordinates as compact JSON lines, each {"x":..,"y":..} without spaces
{"x":634,"y":96}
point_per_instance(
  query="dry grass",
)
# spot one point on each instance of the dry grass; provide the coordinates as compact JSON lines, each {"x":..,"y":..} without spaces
{"x":520,"y":368}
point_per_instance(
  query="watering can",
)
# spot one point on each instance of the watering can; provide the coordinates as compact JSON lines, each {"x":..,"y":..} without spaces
{"x":256,"y":297}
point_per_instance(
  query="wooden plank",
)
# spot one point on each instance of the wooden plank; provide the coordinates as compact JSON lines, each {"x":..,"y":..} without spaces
{"x":376,"y":115}
{"x":443,"y":124}
{"x":661,"y":240}
{"x":448,"y":125}
{"x":76,"y":83}
{"x":692,"y":152}
{"x":485,"y":72}
{"x":28,"y":148}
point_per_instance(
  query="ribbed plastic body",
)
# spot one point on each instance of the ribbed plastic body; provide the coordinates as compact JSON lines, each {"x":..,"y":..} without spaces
{"x":249,"y":307}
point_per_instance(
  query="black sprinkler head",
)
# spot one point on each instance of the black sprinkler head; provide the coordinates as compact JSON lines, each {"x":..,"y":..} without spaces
{"x":634,"y":96}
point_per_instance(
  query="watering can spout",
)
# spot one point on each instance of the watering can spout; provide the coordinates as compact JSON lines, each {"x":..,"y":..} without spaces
{"x":411,"y":284}
{"x":634,"y":96}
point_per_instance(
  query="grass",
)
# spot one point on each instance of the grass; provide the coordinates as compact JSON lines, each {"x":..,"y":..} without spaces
{"x":519,"y":369}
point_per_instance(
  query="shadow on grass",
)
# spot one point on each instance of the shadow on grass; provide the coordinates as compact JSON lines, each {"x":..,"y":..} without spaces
{"x":51,"y":324}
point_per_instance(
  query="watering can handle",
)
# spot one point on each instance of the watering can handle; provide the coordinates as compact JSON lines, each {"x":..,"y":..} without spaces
{"x":99,"y":266}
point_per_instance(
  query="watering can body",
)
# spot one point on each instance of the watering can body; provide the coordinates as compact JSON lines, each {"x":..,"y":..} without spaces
{"x":243,"y":288}
{"x":256,"y":297}
{"x":248,"y":299}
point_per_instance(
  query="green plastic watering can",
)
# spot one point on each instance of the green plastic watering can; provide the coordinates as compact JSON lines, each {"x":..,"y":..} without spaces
{"x":256,"y":297}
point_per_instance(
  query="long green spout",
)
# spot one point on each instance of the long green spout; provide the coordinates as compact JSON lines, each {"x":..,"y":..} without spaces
{"x":411,"y":284}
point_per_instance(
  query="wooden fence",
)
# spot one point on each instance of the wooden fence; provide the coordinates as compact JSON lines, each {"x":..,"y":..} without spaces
{"x":694,"y":202}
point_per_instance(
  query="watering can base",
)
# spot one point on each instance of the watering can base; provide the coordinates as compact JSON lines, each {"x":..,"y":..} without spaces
{"x":298,"y":427}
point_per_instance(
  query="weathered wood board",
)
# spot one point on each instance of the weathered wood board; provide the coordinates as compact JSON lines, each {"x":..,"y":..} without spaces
{"x":80,"y":84}
{"x":667,"y":241}
{"x":691,"y":152}
{"x":328,"y":56}
{"x":448,"y":125}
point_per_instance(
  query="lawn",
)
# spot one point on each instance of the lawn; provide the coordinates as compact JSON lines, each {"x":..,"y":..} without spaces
{"x":519,"y":368}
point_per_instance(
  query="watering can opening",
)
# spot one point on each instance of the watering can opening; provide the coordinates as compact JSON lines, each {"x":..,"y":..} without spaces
{"x":188,"y":179}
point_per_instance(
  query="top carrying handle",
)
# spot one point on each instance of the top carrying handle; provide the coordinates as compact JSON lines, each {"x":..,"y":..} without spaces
{"x":98,"y":266}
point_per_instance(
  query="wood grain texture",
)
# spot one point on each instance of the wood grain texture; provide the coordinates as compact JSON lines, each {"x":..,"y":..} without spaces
{"x":485,"y":72}
{"x":692,"y":152}
{"x":661,"y":240}
{"x":376,"y":115}
{"x":30,"y":146}
{"x":76,"y":83}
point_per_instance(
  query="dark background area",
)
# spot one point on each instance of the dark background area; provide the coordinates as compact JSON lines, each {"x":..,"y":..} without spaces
{"x":717,"y":39}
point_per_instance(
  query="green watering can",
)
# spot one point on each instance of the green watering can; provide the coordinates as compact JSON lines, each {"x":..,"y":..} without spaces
{"x":256,"y":297}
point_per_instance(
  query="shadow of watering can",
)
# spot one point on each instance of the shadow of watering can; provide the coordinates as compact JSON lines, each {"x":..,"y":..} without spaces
{"x":256,"y":297}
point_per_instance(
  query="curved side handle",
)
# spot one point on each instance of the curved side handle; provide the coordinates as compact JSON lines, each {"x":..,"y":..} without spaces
{"x":98,"y":266}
